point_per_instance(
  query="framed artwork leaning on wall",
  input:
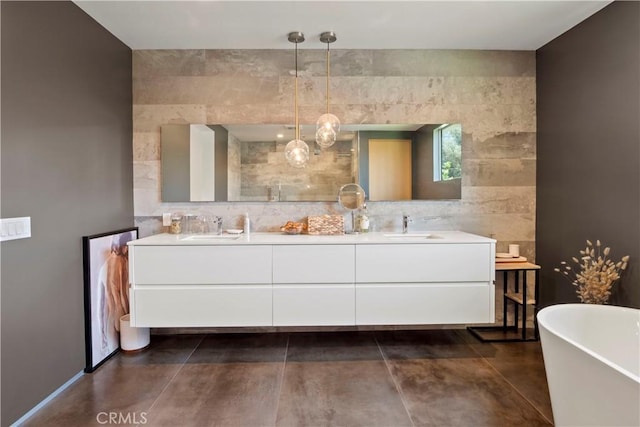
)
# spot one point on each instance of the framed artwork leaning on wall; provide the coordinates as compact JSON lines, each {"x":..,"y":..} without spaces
{"x":106,"y":298}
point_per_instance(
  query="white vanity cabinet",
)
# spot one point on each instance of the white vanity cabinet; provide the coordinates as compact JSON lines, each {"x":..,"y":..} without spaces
{"x":189,"y":286}
{"x":405,"y":284}
{"x":269,"y":279}
{"x":313,"y":285}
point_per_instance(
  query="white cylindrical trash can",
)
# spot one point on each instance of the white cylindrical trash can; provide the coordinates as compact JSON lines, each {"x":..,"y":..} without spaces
{"x":133,"y":338}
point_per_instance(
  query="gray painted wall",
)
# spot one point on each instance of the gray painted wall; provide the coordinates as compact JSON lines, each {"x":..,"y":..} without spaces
{"x":588,"y":181}
{"x":67,"y":163}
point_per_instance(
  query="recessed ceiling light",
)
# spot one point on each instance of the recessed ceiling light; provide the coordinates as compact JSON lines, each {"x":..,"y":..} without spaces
{"x":280,"y":135}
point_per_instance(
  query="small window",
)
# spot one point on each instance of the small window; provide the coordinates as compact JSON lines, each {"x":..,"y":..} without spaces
{"x":447,"y":152}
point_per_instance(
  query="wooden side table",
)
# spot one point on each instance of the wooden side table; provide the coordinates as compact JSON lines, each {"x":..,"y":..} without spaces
{"x":517,"y":295}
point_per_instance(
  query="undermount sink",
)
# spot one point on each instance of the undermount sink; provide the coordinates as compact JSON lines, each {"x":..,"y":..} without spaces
{"x":409,"y":235}
{"x":205,"y":237}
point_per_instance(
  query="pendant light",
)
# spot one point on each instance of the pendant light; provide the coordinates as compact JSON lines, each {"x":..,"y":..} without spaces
{"x":297,"y":151}
{"x":328,"y":125}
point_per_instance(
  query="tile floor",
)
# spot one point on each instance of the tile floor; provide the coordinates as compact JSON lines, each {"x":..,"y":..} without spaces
{"x":388,"y":378}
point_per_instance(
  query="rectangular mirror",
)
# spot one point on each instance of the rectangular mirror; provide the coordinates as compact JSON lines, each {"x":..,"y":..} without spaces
{"x":246,"y":163}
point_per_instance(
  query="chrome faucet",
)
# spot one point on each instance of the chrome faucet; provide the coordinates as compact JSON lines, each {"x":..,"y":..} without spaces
{"x":406,"y":219}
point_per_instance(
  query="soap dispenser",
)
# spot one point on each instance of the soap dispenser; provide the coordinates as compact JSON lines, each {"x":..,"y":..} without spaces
{"x":247,"y":224}
{"x":364,"y":220}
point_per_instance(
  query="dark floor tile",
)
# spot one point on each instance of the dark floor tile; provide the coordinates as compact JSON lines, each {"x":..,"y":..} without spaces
{"x":229,"y":394}
{"x":461,"y":392}
{"x":126,"y":384}
{"x":340,"y":393}
{"x":428,"y":344}
{"x":126,"y":390}
{"x":529,"y":378}
{"x":522,"y":365}
{"x":338,"y":378}
{"x":332,"y":346}
{"x":240,"y":348}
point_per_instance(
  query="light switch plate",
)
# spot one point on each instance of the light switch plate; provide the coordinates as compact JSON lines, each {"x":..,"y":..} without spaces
{"x":166,"y":219}
{"x":15,"y":228}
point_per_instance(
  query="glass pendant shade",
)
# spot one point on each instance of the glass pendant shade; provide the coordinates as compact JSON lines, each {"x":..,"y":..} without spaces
{"x":325,"y":137}
{"x":297,"y":153}
{"x":328,"y":121}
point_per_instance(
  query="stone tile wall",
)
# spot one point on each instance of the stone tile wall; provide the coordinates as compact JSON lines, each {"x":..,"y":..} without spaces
{"x":492,"y":93}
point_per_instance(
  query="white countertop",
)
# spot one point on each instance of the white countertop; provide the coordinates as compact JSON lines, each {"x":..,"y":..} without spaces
{"x":419,"y":237}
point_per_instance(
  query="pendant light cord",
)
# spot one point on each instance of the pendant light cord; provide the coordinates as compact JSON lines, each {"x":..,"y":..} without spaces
{"x":328,"y":78}
{"x":295,"y":96}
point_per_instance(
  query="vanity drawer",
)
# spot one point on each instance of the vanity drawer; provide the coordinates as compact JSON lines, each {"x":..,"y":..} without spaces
{"x":314,"y":305}
{"x":313,"y":264}
{"x":407,"y":263}
{"x":421,"y":304}
{"x":199,"y":265}
{"x":201,"y":306}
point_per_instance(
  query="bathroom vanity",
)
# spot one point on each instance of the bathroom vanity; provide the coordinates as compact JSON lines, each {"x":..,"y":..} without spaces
{"x":271,"y":279}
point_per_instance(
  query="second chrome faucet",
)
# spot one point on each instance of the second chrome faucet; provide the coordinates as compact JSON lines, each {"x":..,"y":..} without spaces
{"x":406,"y":219}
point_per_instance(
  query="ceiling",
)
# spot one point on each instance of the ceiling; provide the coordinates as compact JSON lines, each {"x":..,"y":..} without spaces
{"x":238,"y":24}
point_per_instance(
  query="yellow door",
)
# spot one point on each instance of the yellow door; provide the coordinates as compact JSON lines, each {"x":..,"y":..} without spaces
{"x":389,"y":169}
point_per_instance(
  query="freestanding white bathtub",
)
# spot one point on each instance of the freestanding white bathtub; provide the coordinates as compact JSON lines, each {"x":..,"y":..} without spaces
{"x":592,"y":360}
